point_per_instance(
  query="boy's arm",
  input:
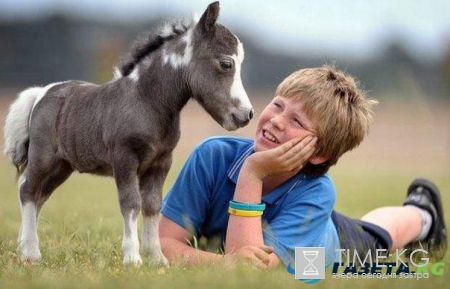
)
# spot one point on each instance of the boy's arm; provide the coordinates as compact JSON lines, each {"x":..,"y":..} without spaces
{"x":174,"y":245}
{"x":247,"y":231}
{"x":288,"y":157}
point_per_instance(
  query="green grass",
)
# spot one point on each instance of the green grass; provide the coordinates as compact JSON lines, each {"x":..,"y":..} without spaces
{"x":80,"y":238}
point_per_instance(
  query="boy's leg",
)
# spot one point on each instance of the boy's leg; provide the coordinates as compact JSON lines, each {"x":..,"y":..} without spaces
{"x":406,"y":224}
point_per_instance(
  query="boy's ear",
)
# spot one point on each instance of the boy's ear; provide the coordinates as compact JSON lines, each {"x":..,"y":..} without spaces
{"x":317,"y":160}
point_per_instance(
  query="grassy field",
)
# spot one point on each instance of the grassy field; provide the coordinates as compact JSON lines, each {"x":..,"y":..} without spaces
{"x":80,"y":227}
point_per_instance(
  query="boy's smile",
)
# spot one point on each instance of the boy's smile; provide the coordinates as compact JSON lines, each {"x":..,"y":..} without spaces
{"x":282,"y":120}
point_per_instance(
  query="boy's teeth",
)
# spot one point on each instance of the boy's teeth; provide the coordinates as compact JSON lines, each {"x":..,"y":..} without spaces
{"x":270,"y":137}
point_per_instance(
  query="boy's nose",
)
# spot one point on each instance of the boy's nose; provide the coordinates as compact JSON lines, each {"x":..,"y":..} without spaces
{"x":277,"y":121}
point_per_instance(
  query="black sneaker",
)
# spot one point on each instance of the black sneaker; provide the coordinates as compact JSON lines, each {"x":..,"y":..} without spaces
{"x":425,"y":195}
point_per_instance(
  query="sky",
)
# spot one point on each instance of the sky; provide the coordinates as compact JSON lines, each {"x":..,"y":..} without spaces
{"x":337,"y":27}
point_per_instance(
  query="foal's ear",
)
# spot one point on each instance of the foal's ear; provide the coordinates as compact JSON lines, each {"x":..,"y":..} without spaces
{"x":209,"y":18}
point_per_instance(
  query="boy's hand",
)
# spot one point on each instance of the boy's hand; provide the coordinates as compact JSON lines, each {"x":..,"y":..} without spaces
{"x":289,"y":157}
{"x":258,"y":256}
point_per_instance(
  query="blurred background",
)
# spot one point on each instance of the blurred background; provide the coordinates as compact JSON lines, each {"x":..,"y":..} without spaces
{"x":385,"y":43}
{"x":399,"y":50}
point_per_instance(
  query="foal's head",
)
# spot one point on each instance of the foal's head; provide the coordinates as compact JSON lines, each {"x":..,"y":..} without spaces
{"x":209,"y":58}
{"x":215,"y":71}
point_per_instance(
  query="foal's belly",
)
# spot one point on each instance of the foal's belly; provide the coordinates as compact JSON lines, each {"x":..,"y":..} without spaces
{"x":100,"y":170}
{"x":87,"y":162}
{"x":83,"y":148}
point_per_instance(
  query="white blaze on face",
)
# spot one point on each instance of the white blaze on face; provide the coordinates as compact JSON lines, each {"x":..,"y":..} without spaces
{"x":237,"y":88}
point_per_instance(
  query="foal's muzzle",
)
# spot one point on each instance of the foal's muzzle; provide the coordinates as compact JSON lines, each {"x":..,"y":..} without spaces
{"x":242,"y":121}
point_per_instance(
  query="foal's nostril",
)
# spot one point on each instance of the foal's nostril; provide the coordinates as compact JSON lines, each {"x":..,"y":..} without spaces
{"x":239,"y":121}
{"x":250,"y":114}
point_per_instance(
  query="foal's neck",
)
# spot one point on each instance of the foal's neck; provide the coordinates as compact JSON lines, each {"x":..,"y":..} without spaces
{"x":162,"y":88}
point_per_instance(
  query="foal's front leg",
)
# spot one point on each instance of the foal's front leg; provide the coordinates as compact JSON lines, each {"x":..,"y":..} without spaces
{"x":125,"y":173}
{"x":151,"y":192}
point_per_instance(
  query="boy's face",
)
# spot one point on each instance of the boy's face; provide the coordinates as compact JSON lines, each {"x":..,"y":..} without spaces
{"x":282,"y":120}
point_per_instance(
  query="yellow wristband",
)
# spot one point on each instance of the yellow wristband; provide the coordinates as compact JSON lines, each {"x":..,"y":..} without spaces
{"x":245,"y":213}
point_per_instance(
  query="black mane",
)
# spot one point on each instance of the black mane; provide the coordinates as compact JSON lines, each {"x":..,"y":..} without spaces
{"x":153,"y":40}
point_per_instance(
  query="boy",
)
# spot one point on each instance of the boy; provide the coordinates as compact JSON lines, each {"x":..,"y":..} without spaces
{"x":264,"y":197}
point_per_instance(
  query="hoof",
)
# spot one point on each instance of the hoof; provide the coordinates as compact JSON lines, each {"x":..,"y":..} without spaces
{"x":132,"y":261}
{"x":158,"y":260}
{"x":31,"y":257}
{"x":30,"y":251}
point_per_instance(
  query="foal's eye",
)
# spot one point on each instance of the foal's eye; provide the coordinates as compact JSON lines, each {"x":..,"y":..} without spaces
{"x":226,"y":65}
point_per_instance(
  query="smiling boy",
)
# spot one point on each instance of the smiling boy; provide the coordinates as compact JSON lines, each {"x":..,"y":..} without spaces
{"x":264,"y":197}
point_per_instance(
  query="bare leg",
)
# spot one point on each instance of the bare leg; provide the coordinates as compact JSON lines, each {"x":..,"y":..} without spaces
{"x":151,"y":193}
{"x":125,"y":168}
{"x":404,"y":224}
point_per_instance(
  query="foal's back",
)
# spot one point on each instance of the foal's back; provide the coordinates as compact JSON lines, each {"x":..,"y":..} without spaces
{"x":83,"y":121}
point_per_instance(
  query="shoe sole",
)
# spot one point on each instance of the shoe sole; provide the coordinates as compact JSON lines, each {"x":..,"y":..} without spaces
{"x":435,"y":195}
{"x":435,"y":200}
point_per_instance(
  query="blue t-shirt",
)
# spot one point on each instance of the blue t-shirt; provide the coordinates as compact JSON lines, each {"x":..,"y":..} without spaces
{"x":297,"y":214}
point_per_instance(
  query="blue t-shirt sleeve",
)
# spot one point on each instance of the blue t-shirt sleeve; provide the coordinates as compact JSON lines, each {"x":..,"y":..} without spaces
{"x":301,"y":222}
{"x":188,"y":201}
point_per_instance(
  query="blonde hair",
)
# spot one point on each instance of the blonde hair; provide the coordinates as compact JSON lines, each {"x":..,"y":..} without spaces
{"x":336,"y":105}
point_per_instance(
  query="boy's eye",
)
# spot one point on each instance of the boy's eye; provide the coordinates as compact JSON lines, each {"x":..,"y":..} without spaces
{"x":277,"y":104}
{"x":297,"y":122}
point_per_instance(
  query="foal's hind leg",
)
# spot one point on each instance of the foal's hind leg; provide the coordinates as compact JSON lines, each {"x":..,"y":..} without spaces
{"x":151,"y":193}
{"x":35,"y":187}
{"x":21,"y":181}
{"x":60,"y":172}
{"x":30,"y":185}
{"x":125,"y":166}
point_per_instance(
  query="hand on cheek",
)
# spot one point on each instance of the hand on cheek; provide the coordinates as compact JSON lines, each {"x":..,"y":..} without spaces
{"x":289,"y":157}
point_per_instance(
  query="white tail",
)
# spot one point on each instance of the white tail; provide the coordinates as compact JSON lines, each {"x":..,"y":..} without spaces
{"x":17,"y":125}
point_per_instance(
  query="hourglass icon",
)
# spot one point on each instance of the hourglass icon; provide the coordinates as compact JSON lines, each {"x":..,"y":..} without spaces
{"x":310,"y":269}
